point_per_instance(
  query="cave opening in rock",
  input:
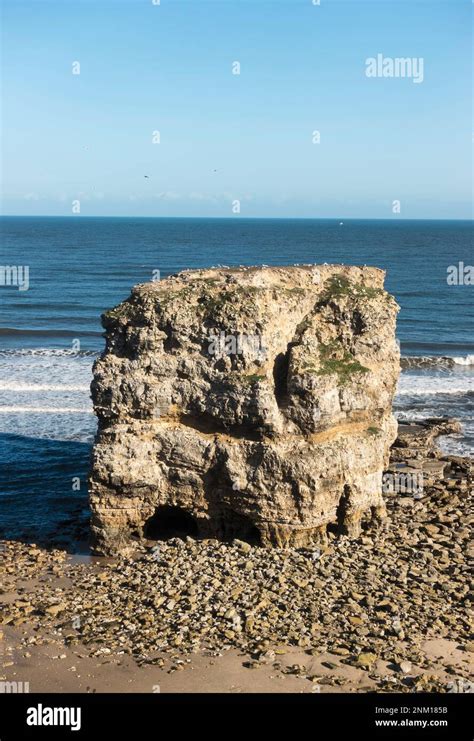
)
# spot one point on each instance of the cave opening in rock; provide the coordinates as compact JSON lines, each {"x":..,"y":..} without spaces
{"x":280,"y":375}
{"x":251,"y":535}
{"x":239,"y":526}
{"x":339,"y":526}
{"x":170,"y":522}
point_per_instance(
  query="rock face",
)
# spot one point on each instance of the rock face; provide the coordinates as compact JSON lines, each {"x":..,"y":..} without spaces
{"x":249,"y":403}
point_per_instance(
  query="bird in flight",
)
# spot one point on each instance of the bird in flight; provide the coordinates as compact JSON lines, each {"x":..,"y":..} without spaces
{"x":147,"y":177}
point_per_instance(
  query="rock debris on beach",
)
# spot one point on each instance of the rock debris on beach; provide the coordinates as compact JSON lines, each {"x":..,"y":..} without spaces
{"x":379,"y":597}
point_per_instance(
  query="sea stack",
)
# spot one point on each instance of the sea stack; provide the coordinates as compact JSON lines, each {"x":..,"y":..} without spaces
{"x":251,"y":403}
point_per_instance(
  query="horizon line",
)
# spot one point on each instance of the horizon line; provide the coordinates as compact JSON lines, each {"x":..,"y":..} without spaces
{"x":236,"y":217}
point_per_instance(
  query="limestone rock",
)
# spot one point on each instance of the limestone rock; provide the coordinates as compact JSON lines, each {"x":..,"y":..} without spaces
{"x":366,"y":659}
{"x":254,"y":402}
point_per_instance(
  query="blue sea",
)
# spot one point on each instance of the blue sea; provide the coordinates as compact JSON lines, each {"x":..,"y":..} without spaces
{"x":78,"y":267}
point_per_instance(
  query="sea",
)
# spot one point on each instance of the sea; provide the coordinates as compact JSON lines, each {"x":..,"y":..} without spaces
{"x":71,"y":269}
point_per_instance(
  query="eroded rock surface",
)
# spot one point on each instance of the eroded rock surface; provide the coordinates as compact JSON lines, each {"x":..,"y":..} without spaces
{"x":254,"y":401}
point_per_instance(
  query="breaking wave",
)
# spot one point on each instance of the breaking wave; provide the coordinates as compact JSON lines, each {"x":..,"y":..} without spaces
{"x":49,"y":353}
{"x":436,"y":361}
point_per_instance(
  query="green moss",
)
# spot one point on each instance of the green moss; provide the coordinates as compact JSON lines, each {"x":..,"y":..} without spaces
{"x":341,"y":368}
{"x":335,"y":359}
{"x":374,"y":430}
{"x":215,"y":302}
{"x":123,"y":310}
{"x":327,"y":350}
{"x":162,"y":300}
{"x":250,"y":379}
{"x":338,"y":285}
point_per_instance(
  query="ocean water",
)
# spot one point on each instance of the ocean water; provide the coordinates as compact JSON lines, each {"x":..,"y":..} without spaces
{"x":79,"y":267}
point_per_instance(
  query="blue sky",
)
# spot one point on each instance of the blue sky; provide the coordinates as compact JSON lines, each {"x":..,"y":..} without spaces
{"x":168,"y":68}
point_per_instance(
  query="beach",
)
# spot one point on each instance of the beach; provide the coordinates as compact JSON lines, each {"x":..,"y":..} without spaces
{"x":385,"y":612}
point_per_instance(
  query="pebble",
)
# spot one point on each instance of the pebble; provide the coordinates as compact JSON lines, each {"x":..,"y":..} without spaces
{"x":366,"y":659}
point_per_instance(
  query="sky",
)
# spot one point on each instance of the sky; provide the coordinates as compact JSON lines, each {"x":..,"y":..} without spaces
{"x":243,"y":144}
